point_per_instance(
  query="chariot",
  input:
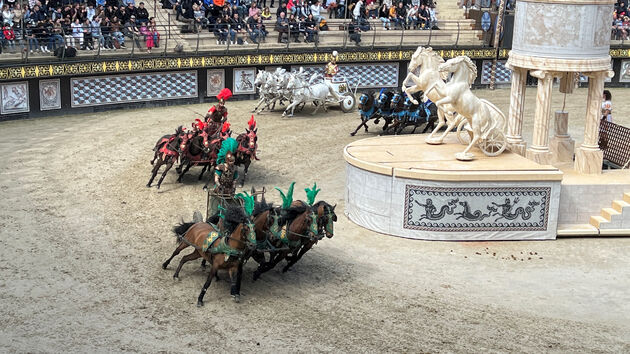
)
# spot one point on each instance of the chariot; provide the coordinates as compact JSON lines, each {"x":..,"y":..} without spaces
{"x":345,"y":91}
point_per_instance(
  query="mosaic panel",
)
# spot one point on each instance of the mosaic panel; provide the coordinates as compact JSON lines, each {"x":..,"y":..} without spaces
{"x":476,"y":209}
{"x":93,"y":91}
{"x":503,"y":74}
{"x":49,"y":94}
{"x":367,"y":75}
{"x":14,"y":98}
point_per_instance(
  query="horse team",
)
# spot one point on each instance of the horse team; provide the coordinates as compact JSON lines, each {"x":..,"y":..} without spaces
{"x":259,"y":230}
{"x":397,"y":111}
{"x":200,"y":146}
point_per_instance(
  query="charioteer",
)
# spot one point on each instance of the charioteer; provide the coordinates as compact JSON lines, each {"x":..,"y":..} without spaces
{"x":332,"y":68}
{"x":225,"y":173}
{"x":218,"y":113}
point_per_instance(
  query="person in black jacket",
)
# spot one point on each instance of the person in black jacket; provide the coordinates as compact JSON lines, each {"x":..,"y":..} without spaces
{"x":282,"y":26}
{"x":238,"y":29}
{"x":221,"y":30}
{"x":294,"y":28}
{"x":310,"y":29}
{"x":142,"y":15}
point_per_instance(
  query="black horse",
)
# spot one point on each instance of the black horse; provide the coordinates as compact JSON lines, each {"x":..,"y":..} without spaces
{"x":367,"y":111}
{"x":397,"y":115}
{"x":196,"y":153}
{"x":417,"y":115}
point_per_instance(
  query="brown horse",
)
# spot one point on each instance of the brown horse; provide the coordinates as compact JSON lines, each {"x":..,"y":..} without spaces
{"x":166,"y":152}
{"x":227,"y":249}
{"x":197,"y":153}
{"x":247,"y":146}
{"x":326,"y":218}
{"x":299,"y":225}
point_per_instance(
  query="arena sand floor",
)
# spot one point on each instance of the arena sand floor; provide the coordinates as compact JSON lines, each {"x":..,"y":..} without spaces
{"x":82,"y":240}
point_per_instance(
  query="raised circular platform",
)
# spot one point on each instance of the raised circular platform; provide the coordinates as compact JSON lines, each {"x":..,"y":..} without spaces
{"x":404,"y":187}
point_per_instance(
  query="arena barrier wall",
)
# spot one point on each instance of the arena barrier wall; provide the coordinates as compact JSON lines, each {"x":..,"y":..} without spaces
{"x":80,"y":87}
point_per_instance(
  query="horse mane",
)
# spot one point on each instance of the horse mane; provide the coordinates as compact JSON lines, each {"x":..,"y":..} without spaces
{"x":234,"y":215}
{"x":472,"y":68}
{"x":296,"y":209}
{"x":261,"y":207}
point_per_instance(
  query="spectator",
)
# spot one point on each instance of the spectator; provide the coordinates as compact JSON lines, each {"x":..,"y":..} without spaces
{"x":383,"y":15}
{"x":154,"y":32}
{"x":294,"y":28}
{"x":253,"y":10}
{"x":31,"y":37}
{"x":412,"y":17}
{"x":331,"y":7}
{"x":142,"y":15}
{"x":266,"y":14}
{"x":56,"y":37}
{"x":372,"y":8}
{"x":9,"y":37}
{"x":282,"y":8}
{"x":301,"y":10}
{"x":106,"y":32}
{"x":310,"y":29}
{"x":130,"y":30}
{"x":117,"y":34}
{"x":90,"y":12}
{"x":95,"y":25}
{"x":18,"y":14}
{"x":401,"y":15}
{"x":282,"y":27}
{"x":393,"y":17}
{"x":7,"y":16}
{"x":355,"y":32}
{"x":607,"y":106}
{"x":356,"y":11}
{"x":433,"y":18}
{"x":252,"y":28}
{"x":221,"y":30}
{"x":424,"y":18}
{"x":87,"y":35}
{"x":237,"y":30}
{"x":316,"y":10}
{"x":290,"y":6}
{"x":200,"y":18}
{"x":77,"y":33}
{"x":66,"y":26}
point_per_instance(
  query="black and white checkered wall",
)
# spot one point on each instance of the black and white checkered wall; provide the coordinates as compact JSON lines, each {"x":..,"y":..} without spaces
{"x":368,"y":75}
{"x":94,"y":91}
{"x":503,"y":74}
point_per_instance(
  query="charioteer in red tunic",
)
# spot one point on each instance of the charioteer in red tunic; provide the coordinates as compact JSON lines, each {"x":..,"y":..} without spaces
{"x":218,"y":113}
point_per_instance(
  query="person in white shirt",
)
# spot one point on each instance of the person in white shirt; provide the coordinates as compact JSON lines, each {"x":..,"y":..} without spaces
{"x":316,"y":10}
{"x":356,"y":11}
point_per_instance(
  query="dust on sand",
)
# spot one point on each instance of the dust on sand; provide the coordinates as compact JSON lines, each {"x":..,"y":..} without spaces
{"x":82,"y":241}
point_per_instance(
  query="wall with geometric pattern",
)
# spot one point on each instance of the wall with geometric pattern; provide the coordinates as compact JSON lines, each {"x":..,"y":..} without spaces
{"x":366,"y":75}
{"x":95,"y":91}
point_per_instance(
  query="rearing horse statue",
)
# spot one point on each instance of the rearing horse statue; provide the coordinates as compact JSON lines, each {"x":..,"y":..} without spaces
{"x":486,"y":120}
{"x":429,"y":76}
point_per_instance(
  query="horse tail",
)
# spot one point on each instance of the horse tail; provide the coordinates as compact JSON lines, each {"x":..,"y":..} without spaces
{"x":496,"y":123}
{"x":180,"y":229}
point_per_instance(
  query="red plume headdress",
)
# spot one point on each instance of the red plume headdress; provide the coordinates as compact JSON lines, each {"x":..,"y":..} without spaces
{"x":224,"y":94}
{"x":252,"y":123}
{"x":200,"y":125}
{"x":226,"y":127}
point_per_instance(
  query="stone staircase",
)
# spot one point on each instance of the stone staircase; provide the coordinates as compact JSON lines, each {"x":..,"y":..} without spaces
{"x":614,"y":220}
{"x":449,"y":10}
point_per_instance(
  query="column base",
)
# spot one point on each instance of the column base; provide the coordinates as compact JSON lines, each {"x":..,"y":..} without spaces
{"x":588,"y":161}
{"x":562,"y":148}
{"x":538,"y":156}
{"x":518,"y":147}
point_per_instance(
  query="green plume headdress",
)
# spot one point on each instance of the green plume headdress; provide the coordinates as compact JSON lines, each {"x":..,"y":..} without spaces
{"x":311,"y":193}
{"x":287,"y":199}
{"x":229,"y":144}
{"x":248,"y":202}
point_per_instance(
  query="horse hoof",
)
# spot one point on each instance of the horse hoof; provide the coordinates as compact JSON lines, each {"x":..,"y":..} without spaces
{"x":352,"y":134}
{"x":199,"y":303}
{"x":164,"y":266}
{"x":151,"y":162}
{"x":175,"y":277}
{"x":236,"y":298}
{"x":148,"y":185}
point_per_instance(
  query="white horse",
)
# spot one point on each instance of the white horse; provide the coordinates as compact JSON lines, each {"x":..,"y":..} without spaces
{"x":303,"y":92}
{"x":486,"y":120}
{"x":429,"y":76}
{"x":261,"y":83}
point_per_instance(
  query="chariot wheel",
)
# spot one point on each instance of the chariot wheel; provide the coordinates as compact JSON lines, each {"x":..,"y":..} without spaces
{"x":347,"y":103}
{"x":494,"y":143}
{"x":464,"y":132}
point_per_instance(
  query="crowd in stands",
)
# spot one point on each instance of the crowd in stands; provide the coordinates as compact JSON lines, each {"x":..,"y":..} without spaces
{"x":44,"y":26}
{"x":621,"y":21}
{"x":241,"y":21}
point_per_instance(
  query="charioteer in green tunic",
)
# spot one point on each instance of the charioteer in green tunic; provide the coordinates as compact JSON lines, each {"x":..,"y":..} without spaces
{"x":222,"y":194}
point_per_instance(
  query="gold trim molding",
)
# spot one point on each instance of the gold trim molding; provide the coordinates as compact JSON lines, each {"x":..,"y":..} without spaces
{"x":216,"y":61}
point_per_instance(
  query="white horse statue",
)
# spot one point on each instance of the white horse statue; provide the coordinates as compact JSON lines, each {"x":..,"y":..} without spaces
{"x":486,"y":120}
{"x":303,"y":92}
{"x":429,"y":76}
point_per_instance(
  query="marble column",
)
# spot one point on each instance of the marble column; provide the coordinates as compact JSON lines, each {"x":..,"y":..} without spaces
{"x":539,"y":150}
{"x":515,"y":118}
{"x":562,"y":146}
{"x":588,"y":157}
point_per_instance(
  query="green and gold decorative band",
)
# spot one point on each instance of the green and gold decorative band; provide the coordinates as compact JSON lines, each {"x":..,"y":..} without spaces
{"x":213,"y":61}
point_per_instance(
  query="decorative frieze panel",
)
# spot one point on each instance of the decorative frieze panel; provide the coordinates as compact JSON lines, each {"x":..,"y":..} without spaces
{"x":476,"y":209}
